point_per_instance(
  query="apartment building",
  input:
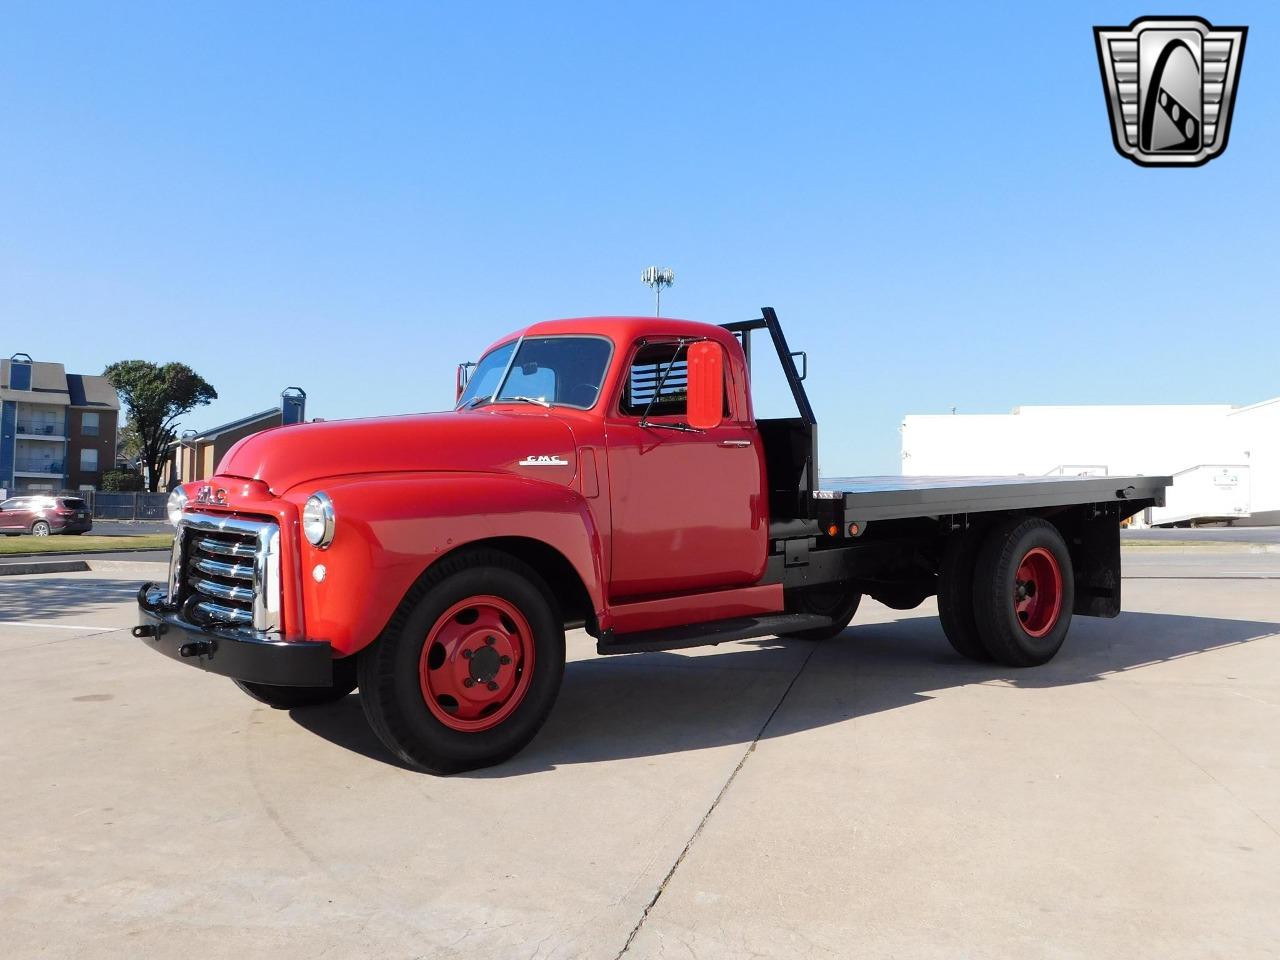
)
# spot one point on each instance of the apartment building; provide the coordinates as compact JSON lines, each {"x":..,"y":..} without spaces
{"x":57,"y":429}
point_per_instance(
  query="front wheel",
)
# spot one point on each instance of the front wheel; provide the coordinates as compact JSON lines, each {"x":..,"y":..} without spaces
{"x":466,"y":674}
{"x":1023,"y":592}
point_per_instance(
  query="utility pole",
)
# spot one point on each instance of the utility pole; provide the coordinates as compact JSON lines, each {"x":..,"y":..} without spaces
{"x":658,"y":278}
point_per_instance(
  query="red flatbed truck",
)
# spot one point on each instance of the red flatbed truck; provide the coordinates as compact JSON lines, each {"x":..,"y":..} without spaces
{"x":602,"y":472}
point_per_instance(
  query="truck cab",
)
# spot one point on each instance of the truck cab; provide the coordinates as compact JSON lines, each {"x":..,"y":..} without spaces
{"x":608,"y":473}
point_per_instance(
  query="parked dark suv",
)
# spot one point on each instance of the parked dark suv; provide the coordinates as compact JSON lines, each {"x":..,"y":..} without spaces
{"x":43,"y":515}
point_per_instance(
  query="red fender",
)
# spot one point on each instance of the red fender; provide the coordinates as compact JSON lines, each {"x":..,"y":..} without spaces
{"x":391,"y":527}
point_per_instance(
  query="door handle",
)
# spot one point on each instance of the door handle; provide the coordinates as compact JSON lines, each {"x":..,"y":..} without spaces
{"x":735,"y":443}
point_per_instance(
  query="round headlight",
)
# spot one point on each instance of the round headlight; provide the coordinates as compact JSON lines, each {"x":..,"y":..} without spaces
{"x":317,"y":520}
{"x":175,"y":504}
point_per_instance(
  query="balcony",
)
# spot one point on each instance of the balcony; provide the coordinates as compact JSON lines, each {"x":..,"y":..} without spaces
{"x":37,"y":468}
{"x":40,"y":430}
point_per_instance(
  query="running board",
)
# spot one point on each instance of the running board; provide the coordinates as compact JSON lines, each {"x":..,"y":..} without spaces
{"x":709,"y":634}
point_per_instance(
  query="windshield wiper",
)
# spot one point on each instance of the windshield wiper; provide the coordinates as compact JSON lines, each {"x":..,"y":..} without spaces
{"x":538,"y":400}
{"x":682,"y":427}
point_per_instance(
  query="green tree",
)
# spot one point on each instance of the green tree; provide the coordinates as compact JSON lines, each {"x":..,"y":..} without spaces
{"x":155,"y":397}
{"x":128,"y":443}
{"x":121,"y":481}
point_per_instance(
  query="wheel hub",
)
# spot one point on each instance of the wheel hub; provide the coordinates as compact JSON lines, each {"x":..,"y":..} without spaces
{"x":1037,"y":594}
{"x":476,"y":663}
{"x":484,"y":662}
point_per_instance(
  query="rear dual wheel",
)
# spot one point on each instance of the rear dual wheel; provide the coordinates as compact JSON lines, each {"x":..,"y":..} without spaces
{"x":467,"y":673}
{"x":1007,"y":595}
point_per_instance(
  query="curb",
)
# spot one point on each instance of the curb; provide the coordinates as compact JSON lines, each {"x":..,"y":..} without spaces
{"x":43,"y":566}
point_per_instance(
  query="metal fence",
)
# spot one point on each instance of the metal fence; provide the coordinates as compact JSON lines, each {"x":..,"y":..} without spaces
{"x":117,"y":506}
{"x":129,"y":506}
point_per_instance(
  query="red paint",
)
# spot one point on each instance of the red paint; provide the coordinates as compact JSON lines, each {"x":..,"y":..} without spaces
{"x":675,"y":520}
{"x":706,"y":385}
{"x":697,"y":608}
{"x":1038,"y":594}
{"x":476,"y":663}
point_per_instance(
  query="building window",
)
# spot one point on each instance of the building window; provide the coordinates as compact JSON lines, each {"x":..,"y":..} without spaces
{"x":89,"y":424}
{"x":89,"y":460}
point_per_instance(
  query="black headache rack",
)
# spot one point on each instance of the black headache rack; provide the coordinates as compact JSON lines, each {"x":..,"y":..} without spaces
{"x":790,"y":443}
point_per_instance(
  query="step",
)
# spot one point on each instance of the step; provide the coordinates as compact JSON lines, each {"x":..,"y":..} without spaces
{"x":713,"y":632}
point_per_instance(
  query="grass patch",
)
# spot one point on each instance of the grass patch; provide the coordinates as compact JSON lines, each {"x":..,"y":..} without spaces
{"x":85,"y":543}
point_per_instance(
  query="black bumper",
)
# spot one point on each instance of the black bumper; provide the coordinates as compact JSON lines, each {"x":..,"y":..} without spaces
{"x":299,"y":663}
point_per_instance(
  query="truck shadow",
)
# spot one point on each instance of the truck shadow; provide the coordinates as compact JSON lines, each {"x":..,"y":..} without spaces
{"x":616,"y":708}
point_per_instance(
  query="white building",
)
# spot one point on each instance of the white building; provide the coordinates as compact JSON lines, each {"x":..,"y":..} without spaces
{"x":1225,"y":460}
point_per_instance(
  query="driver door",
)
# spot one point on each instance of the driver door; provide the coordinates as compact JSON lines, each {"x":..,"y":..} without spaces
{"x":688,"y":508}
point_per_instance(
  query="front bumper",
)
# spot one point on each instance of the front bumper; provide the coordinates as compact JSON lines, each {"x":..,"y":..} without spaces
{"x":231,"y":653}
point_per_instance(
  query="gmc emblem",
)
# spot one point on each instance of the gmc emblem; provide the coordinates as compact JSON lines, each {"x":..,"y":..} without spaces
{"x":207,"y":494}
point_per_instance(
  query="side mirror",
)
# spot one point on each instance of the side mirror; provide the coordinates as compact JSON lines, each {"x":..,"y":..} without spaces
{"x":706,"y":385}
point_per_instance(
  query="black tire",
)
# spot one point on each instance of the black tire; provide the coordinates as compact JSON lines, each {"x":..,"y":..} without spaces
{"x":955,"y":596}
{"x":995,"y":592}
{"x":836,"y":601}
{"x":40,"y":529}
{"x":290,"y":698}
{"x":392,"y":693}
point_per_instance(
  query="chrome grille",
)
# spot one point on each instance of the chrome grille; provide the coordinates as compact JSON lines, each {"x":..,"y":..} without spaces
{"x":226,"y":572}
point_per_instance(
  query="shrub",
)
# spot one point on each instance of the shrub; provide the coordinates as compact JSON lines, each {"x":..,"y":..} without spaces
{"x":121,"y":481}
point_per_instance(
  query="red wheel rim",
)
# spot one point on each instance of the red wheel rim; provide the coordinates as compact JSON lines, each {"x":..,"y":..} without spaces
{"x":1037,"y":593}
{"x":476,"y":663}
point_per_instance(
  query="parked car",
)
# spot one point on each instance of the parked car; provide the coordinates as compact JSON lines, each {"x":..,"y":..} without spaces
{"x":41,"y":516}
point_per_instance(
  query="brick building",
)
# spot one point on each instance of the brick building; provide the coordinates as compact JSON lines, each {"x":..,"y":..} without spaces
{"x":57,"y":429}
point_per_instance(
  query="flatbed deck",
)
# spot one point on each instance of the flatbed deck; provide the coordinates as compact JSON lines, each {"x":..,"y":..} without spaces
{"x":895,"y":498}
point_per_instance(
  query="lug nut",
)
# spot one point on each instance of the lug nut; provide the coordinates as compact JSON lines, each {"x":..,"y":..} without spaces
{"x":504,"y":660}
{"x":493,"y":685}
{"x":466,"y":654}
{"x":490,"y":641}
{"x":468,"y":682}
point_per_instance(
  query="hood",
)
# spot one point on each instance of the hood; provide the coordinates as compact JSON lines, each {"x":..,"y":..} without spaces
{"x":527,"y":444}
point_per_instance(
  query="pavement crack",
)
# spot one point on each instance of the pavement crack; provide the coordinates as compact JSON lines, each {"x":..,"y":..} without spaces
{"x":697,"y":832}
{"x":1155,"y":731}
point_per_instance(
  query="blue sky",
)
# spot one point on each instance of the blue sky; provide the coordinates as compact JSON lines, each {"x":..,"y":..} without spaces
{"x":352,"y":198}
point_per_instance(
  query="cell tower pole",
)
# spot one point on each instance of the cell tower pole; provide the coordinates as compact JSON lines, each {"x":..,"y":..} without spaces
{"x":657,"y":278}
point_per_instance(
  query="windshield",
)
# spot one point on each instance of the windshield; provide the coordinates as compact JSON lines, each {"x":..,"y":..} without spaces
{"x":485,"y":377}
{"x":556,"y":371}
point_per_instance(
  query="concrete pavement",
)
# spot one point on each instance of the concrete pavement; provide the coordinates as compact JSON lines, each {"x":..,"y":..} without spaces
{"x":870,"y":796}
